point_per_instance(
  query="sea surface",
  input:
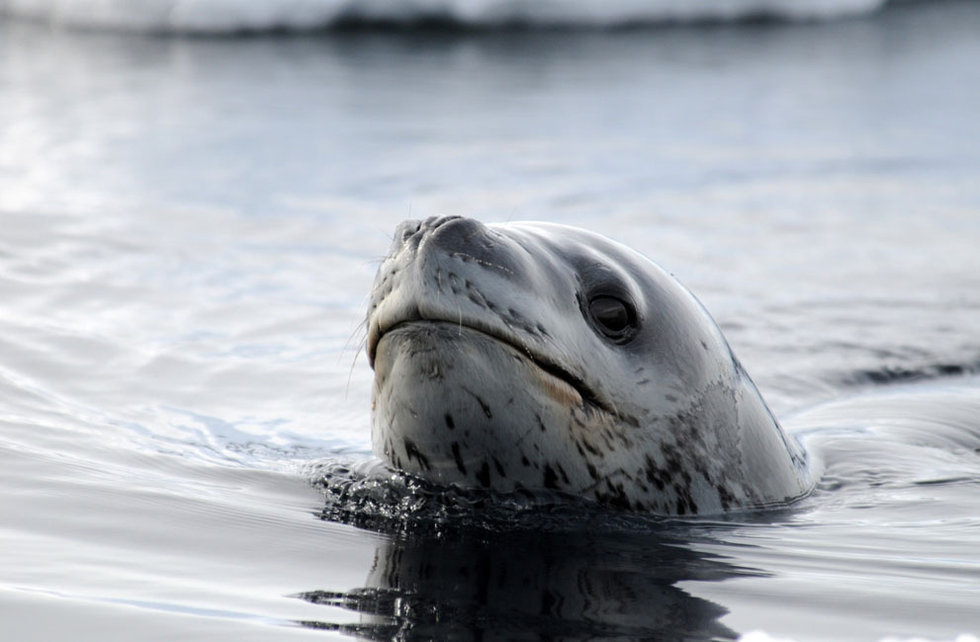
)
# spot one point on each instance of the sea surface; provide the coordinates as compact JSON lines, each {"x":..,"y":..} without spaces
{"x":190,"y":225}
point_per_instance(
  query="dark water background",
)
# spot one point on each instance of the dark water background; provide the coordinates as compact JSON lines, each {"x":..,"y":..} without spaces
{"x":188,"y":232}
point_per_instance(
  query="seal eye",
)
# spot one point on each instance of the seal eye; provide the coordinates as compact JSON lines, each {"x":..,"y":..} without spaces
{"x":613,"y":317}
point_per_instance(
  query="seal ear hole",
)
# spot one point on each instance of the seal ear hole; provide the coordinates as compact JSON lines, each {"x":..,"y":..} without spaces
{"x":614,"y":317}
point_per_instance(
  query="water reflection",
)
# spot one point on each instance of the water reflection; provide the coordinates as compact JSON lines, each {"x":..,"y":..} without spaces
{"x":532,"y":585}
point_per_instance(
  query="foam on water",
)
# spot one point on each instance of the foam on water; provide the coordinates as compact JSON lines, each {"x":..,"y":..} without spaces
{"x":228,"y":16}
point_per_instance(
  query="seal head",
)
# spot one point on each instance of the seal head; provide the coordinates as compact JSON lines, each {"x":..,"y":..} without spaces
{"x":539,"y":356}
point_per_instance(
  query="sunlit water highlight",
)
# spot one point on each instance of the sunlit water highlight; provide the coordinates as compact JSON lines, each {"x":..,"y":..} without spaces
{"x":189,"y":228}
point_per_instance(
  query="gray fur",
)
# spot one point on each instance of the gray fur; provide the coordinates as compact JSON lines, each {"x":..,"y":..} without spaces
{"x":490,"y":372}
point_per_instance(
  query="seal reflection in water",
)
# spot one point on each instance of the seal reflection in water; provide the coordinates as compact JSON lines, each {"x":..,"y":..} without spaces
{"x":539,"y":356}
{"x":534,"y":585}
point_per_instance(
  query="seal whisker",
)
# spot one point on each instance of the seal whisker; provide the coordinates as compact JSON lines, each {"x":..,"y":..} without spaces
{"x":362,"y":329}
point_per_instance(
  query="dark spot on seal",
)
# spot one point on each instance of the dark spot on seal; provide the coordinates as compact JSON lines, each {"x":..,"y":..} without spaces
{"x":453,"y":282}
{"x":654,"y":475}
{"x":449,"y":422}
{"x":483,"y":404}
{"x":593,"y":473}
{"x":592,"y":449}
{"x":525,"y":461}
{"x":615,"y":497}
{"x":459,"y":458}
{"x":724,"y":496}
{"x":412,"y":452}
{"x":564,"y":475}
{"x":550,"y":478}
{"x":499,"y":467}
{"x":483,"y":475}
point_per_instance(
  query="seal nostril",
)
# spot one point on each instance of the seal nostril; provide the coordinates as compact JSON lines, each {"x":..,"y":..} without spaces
{"x":434,"y":222}
{"x":406,"y":230}
{"x":412,"y":230}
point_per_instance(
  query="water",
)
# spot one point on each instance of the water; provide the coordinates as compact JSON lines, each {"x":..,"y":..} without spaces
{"x":189,"y":228}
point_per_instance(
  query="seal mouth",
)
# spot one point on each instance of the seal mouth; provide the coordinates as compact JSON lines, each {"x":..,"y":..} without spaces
{"x":558,"y":380}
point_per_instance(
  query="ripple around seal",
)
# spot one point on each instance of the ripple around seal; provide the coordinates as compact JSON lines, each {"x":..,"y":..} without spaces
{"x":891,"y":374}
{"x":369,"y":495}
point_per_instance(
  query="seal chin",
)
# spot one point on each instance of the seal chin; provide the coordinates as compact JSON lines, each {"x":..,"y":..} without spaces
{"x":459,"y":406}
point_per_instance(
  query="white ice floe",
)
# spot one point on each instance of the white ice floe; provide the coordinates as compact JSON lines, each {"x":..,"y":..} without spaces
{"x":229,"y":16}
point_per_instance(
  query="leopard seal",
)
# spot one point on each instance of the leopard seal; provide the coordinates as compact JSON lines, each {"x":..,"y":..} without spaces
{"x":539,"y":356}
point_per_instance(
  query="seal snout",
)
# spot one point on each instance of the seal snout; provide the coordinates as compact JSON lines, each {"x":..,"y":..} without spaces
{"x":451,"y":242}
{"x":413,"y":230}
{"x":452,"y":269}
